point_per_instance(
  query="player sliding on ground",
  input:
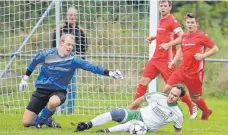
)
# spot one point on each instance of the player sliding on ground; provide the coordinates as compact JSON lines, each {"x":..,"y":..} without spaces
{"x":58,"y":67}
{"x":161,"y":110}
{"x":191,"y":70}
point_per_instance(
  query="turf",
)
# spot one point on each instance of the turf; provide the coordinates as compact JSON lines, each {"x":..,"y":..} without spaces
{"x":217,"y":124}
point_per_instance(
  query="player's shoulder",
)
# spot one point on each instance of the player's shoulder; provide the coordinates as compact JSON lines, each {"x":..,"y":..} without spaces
{"x":203,"y":34}
{"x":157,"y":94}
{"x":173,"y":19}
{"x":46,"y":52}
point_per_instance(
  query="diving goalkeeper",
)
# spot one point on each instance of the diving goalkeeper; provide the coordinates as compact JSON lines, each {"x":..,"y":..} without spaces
{"x":58,"y":67}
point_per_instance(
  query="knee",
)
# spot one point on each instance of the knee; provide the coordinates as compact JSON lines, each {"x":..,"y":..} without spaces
{"x":144,"y":81}
{"x":118,"y":115}
{"x":54,"y":102}
{"x":28,"y":118}
{"x":26,"y":123}
{"x":195,"y":98}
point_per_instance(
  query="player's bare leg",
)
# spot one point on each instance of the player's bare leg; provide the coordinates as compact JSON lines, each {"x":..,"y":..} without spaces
{"x":202,"y":105}
{"x":29,"y":118}
{"x":49,"y":110}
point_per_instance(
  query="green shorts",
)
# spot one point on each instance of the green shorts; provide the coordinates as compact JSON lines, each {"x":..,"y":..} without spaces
{"x":131,"y":115}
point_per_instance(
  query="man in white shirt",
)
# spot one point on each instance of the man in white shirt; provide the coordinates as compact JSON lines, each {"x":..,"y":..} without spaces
{"x":161,"y":110}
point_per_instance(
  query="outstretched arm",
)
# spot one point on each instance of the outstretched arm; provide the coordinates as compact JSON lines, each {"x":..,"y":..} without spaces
{"x":85,"y":65}
{"x":137,"y":102}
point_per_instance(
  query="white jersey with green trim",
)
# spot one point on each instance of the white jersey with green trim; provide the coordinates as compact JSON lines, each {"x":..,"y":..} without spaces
{"x":159,"y":113}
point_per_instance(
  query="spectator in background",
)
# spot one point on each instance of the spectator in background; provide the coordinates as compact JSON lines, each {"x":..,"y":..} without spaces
{"x":71,"y":27}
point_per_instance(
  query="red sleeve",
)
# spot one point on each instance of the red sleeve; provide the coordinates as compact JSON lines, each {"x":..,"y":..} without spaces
{"x":207,"y":41}
{"x":175,"y":25}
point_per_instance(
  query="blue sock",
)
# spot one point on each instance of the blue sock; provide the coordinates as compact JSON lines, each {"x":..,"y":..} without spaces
{"x":47,"y":122}
{"x":46,"y":113}
{"x":37,"y":121}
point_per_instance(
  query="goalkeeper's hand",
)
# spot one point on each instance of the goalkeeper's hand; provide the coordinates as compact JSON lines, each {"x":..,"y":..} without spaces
{"x":116,"y":74}
{"x":24,"y":83}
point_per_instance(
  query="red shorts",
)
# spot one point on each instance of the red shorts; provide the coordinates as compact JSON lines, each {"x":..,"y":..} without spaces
{"x":154,"y":68}
{"x":193,"y":82}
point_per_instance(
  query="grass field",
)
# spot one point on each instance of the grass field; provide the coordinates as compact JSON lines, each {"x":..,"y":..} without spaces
{"x":216,"y":125}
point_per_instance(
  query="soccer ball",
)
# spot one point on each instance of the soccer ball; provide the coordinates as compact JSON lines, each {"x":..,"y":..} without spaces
{"x":138,"y":128}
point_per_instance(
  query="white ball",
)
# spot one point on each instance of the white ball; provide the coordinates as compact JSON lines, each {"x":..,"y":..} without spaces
{"x":138,"y":128}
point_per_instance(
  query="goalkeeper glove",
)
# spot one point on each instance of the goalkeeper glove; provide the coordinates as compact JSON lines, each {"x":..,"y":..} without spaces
{"x":24,"y":83}
{"x":116,"y":74}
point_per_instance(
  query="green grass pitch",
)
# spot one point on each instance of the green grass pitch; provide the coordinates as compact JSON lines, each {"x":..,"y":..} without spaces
{"x":216,"y":125}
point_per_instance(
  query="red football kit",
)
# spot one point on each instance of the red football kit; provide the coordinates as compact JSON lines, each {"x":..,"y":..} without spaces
{"x":191,"y":71}
{"x":166,"y":31}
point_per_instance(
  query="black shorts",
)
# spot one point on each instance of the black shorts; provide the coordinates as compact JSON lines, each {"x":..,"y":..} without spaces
{"x":40,"y":98}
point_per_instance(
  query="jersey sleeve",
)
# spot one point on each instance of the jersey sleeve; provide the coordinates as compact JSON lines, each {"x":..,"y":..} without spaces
{"x":207,"y":41}
{"x":176,"y":27}
{"x":178,"y":121}
{"x":85,"y":65}
{"x":39,"y":58}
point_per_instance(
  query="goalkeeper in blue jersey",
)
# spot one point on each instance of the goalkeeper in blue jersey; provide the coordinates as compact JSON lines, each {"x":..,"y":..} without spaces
{"x":58,"y":67}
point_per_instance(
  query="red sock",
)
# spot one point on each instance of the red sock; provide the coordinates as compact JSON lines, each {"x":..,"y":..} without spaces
{"x":141,"y":90}
{"x":202,"y":105}
{"x":188,"y":101}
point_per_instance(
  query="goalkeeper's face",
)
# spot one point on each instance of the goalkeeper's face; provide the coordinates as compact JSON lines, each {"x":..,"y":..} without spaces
{"x":66,"y":46}
{"x":174,"y":95}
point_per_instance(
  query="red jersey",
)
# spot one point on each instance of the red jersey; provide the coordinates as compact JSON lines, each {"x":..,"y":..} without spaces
{"x":192,"y":43}
{"x":166,"y":31}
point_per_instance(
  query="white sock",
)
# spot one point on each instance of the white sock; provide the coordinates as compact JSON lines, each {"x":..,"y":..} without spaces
{"x":101,"y":119}
{"x":120,"y":128}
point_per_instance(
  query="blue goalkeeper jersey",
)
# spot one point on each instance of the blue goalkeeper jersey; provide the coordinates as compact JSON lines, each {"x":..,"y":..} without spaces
{"x":56,"y":71}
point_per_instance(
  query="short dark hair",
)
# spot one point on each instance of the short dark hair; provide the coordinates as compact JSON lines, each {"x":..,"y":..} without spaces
{"x":181,"y":88}
{"x":192,"y":15}
{"x":169,"y":1}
